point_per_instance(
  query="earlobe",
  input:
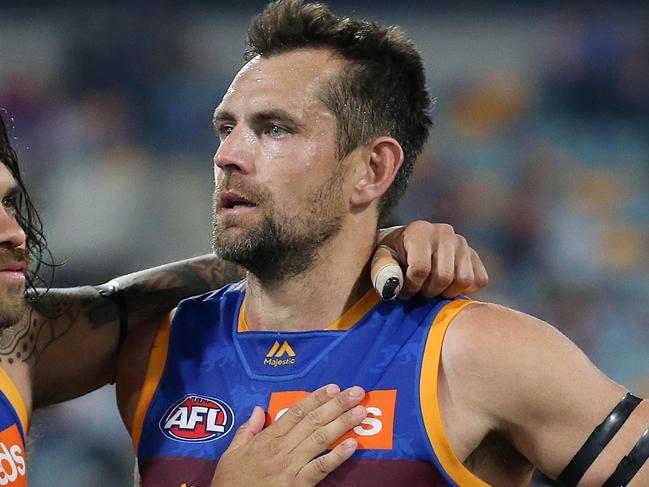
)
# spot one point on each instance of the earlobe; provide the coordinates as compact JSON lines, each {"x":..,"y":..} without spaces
{"x":382,"y":162}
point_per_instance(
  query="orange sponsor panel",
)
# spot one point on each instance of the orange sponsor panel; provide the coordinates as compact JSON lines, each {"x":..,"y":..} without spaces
{"x":12,"y":458}
{"x":374,"y":433}
{"x":280,"y":402}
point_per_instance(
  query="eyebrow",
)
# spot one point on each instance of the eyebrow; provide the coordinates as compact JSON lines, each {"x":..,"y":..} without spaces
{"x":277,"y":114}
{"x":222,"y":116}
{"x":12,"y":191}
{"x":274,"y":114}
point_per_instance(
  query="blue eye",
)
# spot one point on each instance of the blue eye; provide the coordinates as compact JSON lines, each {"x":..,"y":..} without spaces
{"x":277,"y":131}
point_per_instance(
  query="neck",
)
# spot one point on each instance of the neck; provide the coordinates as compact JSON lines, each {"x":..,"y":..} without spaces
{"x":318,"y":296}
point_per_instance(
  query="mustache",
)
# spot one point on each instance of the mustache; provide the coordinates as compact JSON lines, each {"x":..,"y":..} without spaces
{"x":10,"y":256}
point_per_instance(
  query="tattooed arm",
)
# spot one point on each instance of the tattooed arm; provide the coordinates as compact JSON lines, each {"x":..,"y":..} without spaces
{"x":67,"y":344}
{"x":69,"y":340}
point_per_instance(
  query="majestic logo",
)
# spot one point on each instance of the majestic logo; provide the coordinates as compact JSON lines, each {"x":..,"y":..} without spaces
{"x":276,"y":352}
{"x":12,"y":458}
{"x":197,"y":418}
{"x":374,"y":433}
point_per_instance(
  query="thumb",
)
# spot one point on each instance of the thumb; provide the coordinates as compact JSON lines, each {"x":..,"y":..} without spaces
{"x":386,"y":274}
{"x":248,"y":430}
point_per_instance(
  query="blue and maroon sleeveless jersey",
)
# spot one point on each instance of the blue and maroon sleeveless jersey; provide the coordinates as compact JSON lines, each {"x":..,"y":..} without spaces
{"x":208,"y":370}
{"x":13,"y":424}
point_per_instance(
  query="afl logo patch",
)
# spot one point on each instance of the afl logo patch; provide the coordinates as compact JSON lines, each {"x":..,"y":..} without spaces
{"x":197,"y":418}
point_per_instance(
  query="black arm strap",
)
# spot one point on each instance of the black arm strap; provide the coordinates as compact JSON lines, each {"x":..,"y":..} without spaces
{"x":597,"y":440}
{"x":631,"y":463}
{"x":112,"y":292}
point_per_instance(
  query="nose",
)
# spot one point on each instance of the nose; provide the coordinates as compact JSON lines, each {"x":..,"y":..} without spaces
{"x":236,"y":151}
{"x":11,"y":233}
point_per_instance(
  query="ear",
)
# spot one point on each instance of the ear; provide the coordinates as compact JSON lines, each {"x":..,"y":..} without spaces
{"x":382,"y":161}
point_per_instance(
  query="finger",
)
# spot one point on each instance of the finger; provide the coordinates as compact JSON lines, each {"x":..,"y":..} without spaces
{"x":442,"y":270}
{"x":470,"y":290}
{"x":322,"y":438}
{"x":481,"y":277}
{"x":324,"y":415}
{"x":464,"y":277}
{"x":386,"y":274}
{"x":317,"y":469}
{"x":249,"y":429}
{"x":298,"y":411}
{"x":419,"y":265}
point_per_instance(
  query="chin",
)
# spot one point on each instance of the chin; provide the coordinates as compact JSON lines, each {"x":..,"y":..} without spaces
{"x":12,"y":308}
{"x":228,"y":242}
{"x":12,"y":313}
{"x":231,"y":237}
{"x":230,"y":230}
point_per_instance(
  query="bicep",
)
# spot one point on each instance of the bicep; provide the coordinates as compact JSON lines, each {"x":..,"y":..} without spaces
{"x":542,"y":393}
{"x":72,"y":344}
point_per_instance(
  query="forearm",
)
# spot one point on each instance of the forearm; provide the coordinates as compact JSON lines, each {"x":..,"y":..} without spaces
{"x":153,"y":292}
{"x":71,"y":339}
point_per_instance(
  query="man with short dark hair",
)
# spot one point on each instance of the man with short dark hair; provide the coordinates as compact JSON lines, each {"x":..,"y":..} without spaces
{"x":319,"y":131}
{"x":61,"y":343}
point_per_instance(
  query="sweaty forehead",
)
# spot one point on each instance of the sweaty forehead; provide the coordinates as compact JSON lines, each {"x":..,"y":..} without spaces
{"x":295,"y":77}
{"x":7,"y":180}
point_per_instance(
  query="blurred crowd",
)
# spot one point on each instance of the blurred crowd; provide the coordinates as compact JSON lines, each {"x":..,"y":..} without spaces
{"x":539,"y":156}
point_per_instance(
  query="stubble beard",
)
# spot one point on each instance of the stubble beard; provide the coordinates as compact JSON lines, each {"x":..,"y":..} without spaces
{"x":12,"y":294}
{"x":281,"y":245}
{"x":12,"y":305}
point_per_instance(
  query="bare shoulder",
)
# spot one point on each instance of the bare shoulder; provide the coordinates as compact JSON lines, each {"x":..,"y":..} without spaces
{"x":132,"y":367}
{"x":484,"y":349}
{"x":493,"y":336}
{"x":515,"y":361}
{"x":520,"y":378}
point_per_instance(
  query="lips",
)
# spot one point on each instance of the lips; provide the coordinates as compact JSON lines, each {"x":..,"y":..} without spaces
{"x":13,"y":267}
{"x":13,"y":272}
{"x":231,"y":200}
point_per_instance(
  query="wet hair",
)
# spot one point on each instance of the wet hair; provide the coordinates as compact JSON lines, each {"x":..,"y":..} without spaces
{"x":27,"y":217}
{"x":382,"y":91}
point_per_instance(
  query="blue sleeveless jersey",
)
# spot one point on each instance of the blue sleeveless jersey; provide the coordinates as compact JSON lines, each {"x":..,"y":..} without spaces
{"x":207,"y":371}
{"x":13,"y":423}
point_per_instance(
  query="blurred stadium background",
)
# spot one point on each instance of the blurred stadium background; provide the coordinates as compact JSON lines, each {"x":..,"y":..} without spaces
{"x":539,"y":156}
